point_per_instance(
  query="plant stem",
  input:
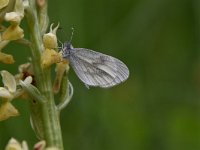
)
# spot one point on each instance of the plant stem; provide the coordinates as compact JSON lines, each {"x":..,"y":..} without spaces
{"x":49,"y":116}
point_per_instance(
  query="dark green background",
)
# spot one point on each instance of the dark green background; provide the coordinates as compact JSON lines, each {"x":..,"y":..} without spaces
{"x":158,"y":107}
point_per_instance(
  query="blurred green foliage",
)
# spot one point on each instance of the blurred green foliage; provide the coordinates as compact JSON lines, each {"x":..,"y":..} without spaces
{"x":158,"y":107}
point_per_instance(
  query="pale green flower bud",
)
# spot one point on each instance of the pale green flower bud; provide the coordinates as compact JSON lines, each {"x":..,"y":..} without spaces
{"x":13,"y":144}
{"x":3,"y":3}
{"x":7,"y":110}
{"x":6,"y":58}
{"x":13,"y":32}
{"x":8,"y":81}
{"x":13,"y":17}
{"x":50,"y":39}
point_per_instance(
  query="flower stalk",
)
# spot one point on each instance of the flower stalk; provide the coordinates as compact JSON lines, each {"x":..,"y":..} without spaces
{"x":48,"y":115}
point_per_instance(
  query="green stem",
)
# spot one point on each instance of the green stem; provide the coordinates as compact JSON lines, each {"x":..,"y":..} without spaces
{"x":50,"y":125}
{"x":43,"y":17}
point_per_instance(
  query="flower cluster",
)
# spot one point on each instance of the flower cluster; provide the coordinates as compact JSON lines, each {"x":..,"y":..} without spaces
{"x":12,"y":14}
{"x":50,"y":56}
{"x":9,"y":92}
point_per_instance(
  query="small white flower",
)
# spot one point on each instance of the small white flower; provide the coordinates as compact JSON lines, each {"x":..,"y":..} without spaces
{"x":13,"y":144}
{"x":5,"y":94}
{"x":9,"y":90}
{"x":13,"y":17}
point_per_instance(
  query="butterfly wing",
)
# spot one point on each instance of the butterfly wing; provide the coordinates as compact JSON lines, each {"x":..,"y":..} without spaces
{"x":97,"y":69}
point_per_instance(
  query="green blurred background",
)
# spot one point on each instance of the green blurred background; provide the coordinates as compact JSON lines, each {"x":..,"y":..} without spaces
{"x":158,"y":107}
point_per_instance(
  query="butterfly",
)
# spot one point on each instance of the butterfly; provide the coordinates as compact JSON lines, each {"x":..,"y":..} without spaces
{"x":94,"y":68}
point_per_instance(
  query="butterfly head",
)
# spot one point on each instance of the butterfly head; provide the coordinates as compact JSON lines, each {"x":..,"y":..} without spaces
{"x":68,"y":46}
{"x":66,"y":49}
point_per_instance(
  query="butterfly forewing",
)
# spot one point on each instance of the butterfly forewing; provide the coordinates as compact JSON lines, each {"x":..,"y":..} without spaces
{"x":97,"y":69}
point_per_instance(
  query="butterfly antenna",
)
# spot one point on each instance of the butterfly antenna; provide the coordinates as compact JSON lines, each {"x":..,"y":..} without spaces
{"x":61,"y":43}
{"x":71,"y":35}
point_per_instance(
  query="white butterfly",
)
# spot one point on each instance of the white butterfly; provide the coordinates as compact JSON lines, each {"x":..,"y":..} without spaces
{"x":94,"y":68}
